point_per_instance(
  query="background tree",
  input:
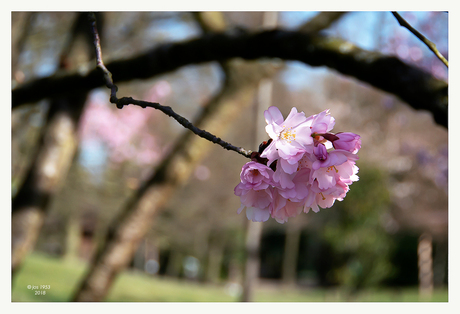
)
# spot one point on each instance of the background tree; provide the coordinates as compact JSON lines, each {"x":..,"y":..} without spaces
{"x":54,"y":154}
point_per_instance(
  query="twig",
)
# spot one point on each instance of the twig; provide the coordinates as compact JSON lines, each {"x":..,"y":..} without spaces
{"x":100,"y":62}
{"x":429,"y":44}
{"x":144,"y":104}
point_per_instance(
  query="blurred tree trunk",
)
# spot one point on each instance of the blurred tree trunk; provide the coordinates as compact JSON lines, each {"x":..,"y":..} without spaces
{"x":200,"y":247}
{"x":174,"y":267}
{"x":56,"y":150}
{"x":254,"y":229}
{"x":215,"y":258}
{"x":73,"y":234}
{"x":425,"y":265}
{"x":251,"y":269}
{"x":440,"y":262}
{"x":234,"y":269}
{"x":139,"y":257}
{"x":291,"y":252}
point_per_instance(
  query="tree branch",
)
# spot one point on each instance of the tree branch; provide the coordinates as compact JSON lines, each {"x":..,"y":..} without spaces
{"x":144,"y":104}
{"x":320,"y":21}
{"x":425,"y":40}
{"x":99,"y":62}
{"x":413,"y":85}
{"x":182,"y":121}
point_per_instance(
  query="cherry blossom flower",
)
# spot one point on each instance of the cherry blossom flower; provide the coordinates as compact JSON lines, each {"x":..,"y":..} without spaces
{"x":320,"y":152}
{"x":300,"y":189}
{"x":303,"y":166}
{"x":287,"y":210}
{"x":348,"y":141}
{"x":255,"y":190}
{"x":291,"y":137}
{"x":256,"y":176}
{"x":322,"y":122}
{"x":325,"y":198}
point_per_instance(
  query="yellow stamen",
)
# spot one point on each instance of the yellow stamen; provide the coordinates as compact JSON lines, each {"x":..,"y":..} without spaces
{"x":287,"y":135}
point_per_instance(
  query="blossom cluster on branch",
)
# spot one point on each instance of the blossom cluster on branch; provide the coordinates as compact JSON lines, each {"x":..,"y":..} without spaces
{"x":302,"y":166}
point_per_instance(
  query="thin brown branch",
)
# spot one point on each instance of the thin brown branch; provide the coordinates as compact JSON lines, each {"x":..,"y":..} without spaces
{"x":100,"y":63}
{"x":182,"y":121}
{"x":120,"y":102}
{"x":427,"y":42}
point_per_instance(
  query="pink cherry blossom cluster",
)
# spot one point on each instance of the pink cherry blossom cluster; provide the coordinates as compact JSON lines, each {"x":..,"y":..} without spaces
{"x":302,"y":166}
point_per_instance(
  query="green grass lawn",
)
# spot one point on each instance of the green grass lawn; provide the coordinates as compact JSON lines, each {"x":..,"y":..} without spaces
{"x":63,"y":276}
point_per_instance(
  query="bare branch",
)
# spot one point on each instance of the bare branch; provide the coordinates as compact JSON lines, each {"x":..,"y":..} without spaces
{"x":415,"y":86}
{"x":320,"y":21}
{"x":100,"y":63}
{"x":144,"y":104}
{"x":182,"y":121}
{"x":429,"y":44}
